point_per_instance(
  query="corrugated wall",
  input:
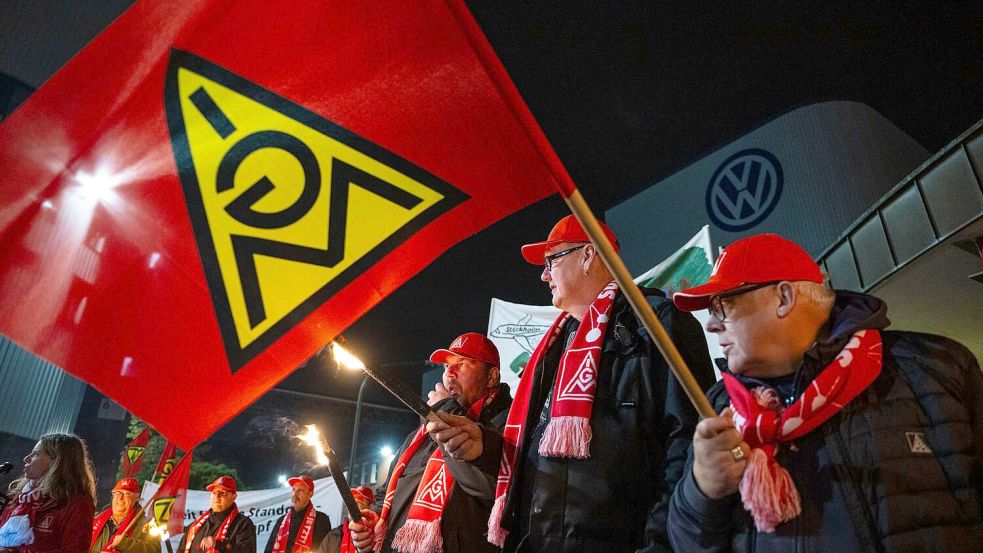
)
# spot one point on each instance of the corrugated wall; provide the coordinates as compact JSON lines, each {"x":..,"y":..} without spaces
{"x":36,"y":397}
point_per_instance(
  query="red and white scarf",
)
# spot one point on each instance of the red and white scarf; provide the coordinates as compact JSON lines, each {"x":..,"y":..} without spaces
{"x":568,"y":432}
{"x":17,"y":528}
{"x":767,"y":489}
{"x":221,"y":534}
{"x":346,"y":539}
{"x":103,"y":518}
{"x":421,"y":531}
{"x":305,"y":536}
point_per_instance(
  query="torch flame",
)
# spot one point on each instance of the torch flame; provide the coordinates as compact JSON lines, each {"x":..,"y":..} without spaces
{"x":159,"y":531}
{"x":344,"y":357}
{"x":313,"y":438}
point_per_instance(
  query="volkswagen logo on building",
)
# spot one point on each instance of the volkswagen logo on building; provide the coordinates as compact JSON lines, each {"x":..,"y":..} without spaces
{"x":744,"y":189}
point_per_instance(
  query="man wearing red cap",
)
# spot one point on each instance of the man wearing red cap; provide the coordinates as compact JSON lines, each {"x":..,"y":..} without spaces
{"x":302,"y":528}
{"x":433,"y":501}
{"x":835,"y":434}
{"x":111,"y":528}
{"x":339,"y":540}
{"x":598,"y":433}
{"x":221,"y":529}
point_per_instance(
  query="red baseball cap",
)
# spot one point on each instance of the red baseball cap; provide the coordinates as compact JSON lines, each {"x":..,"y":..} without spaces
{"x":364,"y":493}
{"x":127,"y":485}
{"x":303,"y":479}
{"x":223,"y":482}
{"x":471,"y":345}
{"x":568,"y":229}
{"x":753,"y":260}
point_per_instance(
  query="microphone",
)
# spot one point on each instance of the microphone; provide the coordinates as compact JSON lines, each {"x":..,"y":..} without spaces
{"x":6,"y":467}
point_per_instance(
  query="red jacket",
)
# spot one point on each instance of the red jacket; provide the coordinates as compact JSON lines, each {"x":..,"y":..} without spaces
{"x":62,"y":528}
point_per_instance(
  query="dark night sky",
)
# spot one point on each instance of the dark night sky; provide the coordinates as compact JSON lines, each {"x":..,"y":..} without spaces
{"x":629,"y":93}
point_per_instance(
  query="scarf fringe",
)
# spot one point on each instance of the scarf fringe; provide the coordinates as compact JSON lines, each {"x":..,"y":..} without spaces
{"x":379,"y":534}
{"x":768,"y":493}
{"x":567,"y":437}
{"x":419,"y":536}
{"x":497,"y":534}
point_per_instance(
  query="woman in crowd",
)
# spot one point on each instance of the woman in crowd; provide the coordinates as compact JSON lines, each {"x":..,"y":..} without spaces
{"x":52,"y":506}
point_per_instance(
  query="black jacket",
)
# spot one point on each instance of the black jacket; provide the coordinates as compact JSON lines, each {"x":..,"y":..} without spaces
{"x":642,"y":424}
{"x":465,"y":518}
{"x":322,"y":525}
{"x":899,"y":469}
{"x":241,"y":537}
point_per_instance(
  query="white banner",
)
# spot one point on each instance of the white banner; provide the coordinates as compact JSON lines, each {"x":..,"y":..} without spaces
{"x":263,"y":507}
{"x":516,"y":329}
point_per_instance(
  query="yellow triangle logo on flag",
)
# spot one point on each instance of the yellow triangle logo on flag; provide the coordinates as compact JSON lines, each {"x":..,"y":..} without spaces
{"x":162,"y":509}
{"x":287,"y":206}
{"x":133,"y":453}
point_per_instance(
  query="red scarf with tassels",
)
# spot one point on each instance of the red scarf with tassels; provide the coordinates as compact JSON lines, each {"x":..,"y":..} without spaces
{"x":104,"y":517}
{"x":420,"y":532}
{"x":305,"y":535}
{"x":767,"y":489}
{"x":568,"y":433}
{"x":346,"y":539}
{"x":220,"y":534}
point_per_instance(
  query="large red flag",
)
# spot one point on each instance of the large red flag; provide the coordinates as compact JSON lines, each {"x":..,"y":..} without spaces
{"x":167,"y":505}
{"x":165,"y":464}
{"x":210,"y":191}
{"x":132,"y":458}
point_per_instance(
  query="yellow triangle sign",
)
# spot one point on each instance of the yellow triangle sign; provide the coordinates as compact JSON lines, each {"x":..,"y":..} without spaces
{"x":162,"y":509}
{"x":133,"y":453}
{"x":287,"y":206}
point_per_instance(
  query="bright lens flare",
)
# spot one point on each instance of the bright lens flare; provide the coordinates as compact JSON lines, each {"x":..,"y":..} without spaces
{"x":313,"y":438}
{"x":345,"y":358}
{"x":158,"y":531}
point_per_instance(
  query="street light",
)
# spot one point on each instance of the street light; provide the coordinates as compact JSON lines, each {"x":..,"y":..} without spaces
{"x":346,"y":359}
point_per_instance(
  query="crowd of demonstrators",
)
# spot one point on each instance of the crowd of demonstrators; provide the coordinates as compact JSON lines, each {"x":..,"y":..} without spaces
{"x":123,"y":526}
{"x":597,"y":436}
{"x":834,"y":433}
{"x":433,"y":501}
{"x":303,"y":528}
{"x":339,"y":540}
{"x":221,"y":529}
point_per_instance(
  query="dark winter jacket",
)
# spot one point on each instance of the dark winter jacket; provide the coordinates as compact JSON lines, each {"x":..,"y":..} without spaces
{"x":241,"y":537}
{"x":140,"y":540}
{"x":642,"y":425}
{"x":899,"y":469}
{"x":465,"y":519}
{"x":322,"y":525}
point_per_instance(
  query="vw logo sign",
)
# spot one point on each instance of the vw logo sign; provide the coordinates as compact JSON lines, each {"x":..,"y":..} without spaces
{"x":744,"y":189}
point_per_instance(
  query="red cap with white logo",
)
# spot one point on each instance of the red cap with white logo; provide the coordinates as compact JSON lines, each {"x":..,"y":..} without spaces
{"x":753,"y":260}
{"x":471,"y":345}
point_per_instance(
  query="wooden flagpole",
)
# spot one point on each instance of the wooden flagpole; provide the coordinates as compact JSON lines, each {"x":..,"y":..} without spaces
{"x":637,"y":301}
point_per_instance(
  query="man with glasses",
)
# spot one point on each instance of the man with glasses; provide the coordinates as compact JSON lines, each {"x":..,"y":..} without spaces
{"x":221,"y":529}
{"x":835,"y":434}
{"x":116,"y":529}
{"x":435,"y":500}
{"x":597,"y":435}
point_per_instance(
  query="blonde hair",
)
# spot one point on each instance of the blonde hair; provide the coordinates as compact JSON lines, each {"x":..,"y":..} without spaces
{"x":70,"y":473}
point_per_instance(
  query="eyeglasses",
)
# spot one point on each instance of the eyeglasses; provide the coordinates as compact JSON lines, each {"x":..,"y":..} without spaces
{"x":716,"y":307}
{"x":549,"y":259}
